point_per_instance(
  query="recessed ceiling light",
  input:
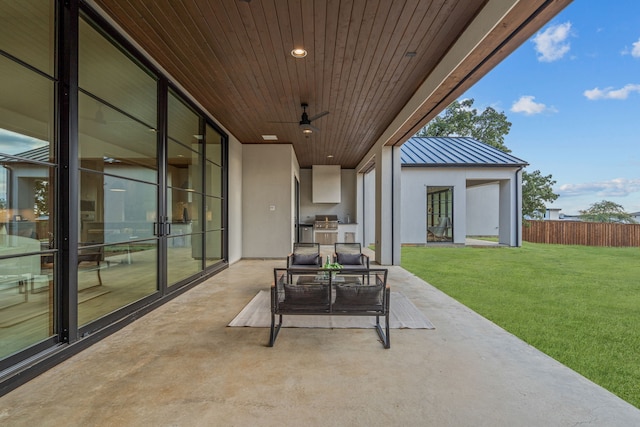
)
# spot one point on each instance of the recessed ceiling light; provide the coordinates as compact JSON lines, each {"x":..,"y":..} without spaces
{"x":410,"y":54}
{"x":330,"y":156}
{"x":298,"y":53}
{"x":270,"y":137}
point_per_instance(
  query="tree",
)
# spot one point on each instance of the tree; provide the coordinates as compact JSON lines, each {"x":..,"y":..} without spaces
{"x":490,"y":127}
{"x":606,"y":211}
{"x":41,"y":194}
{"x":459,"y":119}
{"x":536,"y":190}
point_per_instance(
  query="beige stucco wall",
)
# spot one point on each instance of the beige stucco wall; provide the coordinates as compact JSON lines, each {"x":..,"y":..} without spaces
{"x":267,"y":200}
{"x":235,"y":200}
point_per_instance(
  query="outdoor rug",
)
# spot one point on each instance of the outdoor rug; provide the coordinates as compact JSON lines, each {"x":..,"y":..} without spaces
{"x":403,"y":315}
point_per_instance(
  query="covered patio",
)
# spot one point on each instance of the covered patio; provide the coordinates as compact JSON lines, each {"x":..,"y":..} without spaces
{"x":182,"y":365}
{"x":179,"y":131}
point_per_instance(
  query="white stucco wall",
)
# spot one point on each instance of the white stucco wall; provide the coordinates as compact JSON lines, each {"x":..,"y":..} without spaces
{"x":414,"y":201}
{"x":368,"y":215}
{"x":483,"y":210}
{"x":501,"y":207}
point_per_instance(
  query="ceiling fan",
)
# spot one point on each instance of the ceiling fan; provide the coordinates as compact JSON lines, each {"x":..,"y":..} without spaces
{"x":100,"y":118}
{"x":305,"y":121}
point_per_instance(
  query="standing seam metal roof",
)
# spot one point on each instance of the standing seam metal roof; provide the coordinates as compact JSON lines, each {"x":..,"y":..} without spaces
{"x":454,"y":151}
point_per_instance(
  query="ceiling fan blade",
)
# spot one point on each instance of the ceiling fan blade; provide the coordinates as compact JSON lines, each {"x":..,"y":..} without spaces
{"x":315,"y":129}
{"x":282,"y":122}
{"x":99,"y":120}
{"x":317,"y":116}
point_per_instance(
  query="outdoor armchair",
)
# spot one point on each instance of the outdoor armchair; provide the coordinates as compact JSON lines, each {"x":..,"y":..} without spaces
{"x":350,"y":256}
{"x":305,"y":256}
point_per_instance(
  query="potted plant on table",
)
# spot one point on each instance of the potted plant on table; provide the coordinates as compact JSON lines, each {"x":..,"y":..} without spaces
{"x":328,"y":265}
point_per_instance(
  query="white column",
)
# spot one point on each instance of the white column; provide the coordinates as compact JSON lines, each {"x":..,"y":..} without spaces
{"x":358,"y":215}
{"x":388,"y":214}
{"x":510,"y":211}
{"x":518,"y":212}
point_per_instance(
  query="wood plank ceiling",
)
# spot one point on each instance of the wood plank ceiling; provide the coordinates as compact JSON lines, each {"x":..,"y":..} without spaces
{"x":366,"y":59}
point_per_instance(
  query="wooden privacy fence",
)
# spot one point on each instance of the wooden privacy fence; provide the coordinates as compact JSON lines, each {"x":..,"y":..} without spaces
{"x":582,"y":233}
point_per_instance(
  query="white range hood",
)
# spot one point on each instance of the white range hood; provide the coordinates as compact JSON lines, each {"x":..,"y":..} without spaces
{"x":325,"y":183}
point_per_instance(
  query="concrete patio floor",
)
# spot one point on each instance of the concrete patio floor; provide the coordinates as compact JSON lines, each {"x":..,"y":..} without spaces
{"x":180,"y":365}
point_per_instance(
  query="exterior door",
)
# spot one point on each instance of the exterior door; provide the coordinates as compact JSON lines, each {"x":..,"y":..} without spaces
{"x":439,"y":214}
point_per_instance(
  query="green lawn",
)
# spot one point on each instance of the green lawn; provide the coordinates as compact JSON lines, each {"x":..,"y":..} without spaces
{"x":578,"y":304}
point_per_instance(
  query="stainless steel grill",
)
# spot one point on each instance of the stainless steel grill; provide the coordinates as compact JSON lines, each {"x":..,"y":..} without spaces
{"x":326,"y":222}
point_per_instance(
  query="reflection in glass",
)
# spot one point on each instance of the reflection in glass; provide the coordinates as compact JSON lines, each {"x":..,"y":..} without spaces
{"x":118,"y":197}
{"x":183,"y":123}
{"x":214,"y":247}
{"x":113,"y":276}
{"x":110,"y":74}
{"x":213,"y":213}
{"x":27,"y":131}
{"x":214,"y":145}
{"x":26,"y":295}
{"x":182,"y":254}
{"x":26,"y":29}
{"x":196,"y":207}
{"x":116,"y":209}
{"x":110,"y":140}
{"x":214,"y":180}
{"x":183,"y":167}
{"x":183,"y":209}
{"x":27,"y":253}
{"x":26,"y":122}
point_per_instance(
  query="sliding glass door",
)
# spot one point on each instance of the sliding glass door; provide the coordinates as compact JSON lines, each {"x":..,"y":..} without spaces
{"x":118,"y":165}
{"x":28,"y":168}
{"x":112,"y":183}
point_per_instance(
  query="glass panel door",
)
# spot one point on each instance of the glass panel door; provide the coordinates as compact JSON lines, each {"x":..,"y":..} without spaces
{"x":118,"y":162}
{"x":439,"y":214}
{"x":184,"y":191}
{"x":214,"y":197}
{"x":27,"y":176}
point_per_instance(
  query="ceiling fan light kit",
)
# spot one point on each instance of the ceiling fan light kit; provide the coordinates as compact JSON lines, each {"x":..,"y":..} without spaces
{"x":305,"y":120}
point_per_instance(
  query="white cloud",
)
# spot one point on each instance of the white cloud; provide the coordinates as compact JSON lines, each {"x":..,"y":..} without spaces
{"x":619,"y":187}
{"x":610,"y":93}
{"x":551,"y":44}
{"x":14,"y":143}
{"x":528,"y":106}
{"x":635,"y":50}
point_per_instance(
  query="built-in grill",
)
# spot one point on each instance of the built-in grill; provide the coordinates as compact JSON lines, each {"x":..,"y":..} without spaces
{"x":326,"y":222}
{"x":326,"y":229}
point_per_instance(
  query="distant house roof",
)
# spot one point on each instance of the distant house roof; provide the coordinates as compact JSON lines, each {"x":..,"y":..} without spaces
{"x":454,"y":151}
{"x":41,"y":154}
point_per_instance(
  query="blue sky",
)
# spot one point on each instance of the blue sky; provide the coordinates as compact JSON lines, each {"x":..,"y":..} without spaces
{"x":572,"y":94}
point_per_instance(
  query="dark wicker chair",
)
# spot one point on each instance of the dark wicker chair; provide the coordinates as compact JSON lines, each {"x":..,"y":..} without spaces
{"x":350,"y":256}
{"x":305,"y":256}
{"x":91,"y":255}
{"x":295,"y":292}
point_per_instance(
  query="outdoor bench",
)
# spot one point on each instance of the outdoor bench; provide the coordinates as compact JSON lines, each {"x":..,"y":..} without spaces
{"x":350,"y":292}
